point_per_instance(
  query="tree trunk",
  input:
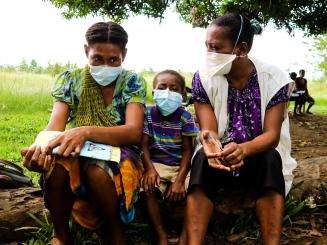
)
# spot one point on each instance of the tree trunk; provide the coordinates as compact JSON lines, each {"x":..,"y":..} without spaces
{"x":15,"y":206}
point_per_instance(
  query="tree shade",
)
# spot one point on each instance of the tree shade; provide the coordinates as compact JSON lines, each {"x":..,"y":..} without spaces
{"x":308,"y":15}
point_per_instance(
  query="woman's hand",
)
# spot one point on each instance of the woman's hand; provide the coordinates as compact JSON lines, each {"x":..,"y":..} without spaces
{"x":150,"y":180}
{"x":212,"y":149}
{"x":35,"y":159}
{"x":176,"y":191}
{"x":233,"y":155}
{"x":70,"y":142}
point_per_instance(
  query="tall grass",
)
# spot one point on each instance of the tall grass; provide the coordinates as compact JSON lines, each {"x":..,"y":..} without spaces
{"x":24,"y":104}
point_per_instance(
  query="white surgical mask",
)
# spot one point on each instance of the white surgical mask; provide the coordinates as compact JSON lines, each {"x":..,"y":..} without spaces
{"x":219,"y":63}
{"x":105,"y":75}
{"x":167,"y":101}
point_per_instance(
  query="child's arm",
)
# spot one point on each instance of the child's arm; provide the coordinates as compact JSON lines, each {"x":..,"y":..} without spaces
{"x":150,"y":178}
{"x":177,"y":190}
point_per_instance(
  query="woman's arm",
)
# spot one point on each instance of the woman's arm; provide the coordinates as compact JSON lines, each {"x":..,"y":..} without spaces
{"x":269,"y":139}
{"x":59,"y":117}
{"x":127,"y":134}
{"x":206,"y":117}
{"x":209,"y":135}
{"x":233,"y":154}
{"x":34,"y":159}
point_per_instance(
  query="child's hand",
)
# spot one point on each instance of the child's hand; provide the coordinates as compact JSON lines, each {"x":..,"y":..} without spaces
{"x":176,"y":191}
{"x":150,"y":180}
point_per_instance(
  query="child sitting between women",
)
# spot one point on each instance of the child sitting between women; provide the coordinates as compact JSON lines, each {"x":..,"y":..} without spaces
{"x":167,"y":145}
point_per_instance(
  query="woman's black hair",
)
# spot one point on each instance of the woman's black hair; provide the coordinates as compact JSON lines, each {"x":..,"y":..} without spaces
{"x":234,"y":22}
{"x":103,"y":32}
{"x":179,"y":77}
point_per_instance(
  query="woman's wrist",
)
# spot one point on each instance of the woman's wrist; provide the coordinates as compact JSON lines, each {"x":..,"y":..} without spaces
{"x":245,"y":149}
{"x":87,"y":132}
{"x":211,"y":133}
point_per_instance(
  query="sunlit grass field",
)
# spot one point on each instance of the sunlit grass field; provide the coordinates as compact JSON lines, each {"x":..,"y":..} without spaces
{"x":25,"y":105}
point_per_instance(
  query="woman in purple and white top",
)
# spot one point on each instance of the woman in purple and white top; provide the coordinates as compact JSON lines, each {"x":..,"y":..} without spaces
{"x":240,"y":104}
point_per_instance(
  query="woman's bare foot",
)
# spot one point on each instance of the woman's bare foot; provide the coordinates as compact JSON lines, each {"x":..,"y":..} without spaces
{"x":56,"y":241}
{"x":162,"y":238}
{"x":163,"y":241}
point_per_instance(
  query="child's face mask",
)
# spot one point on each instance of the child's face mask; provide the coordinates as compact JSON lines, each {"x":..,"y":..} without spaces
{"x":167,"y":101}
{"x":105,"y":75}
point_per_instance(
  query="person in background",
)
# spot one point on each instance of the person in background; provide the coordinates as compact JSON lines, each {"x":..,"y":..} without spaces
{"x":296,"y":95}
{"x":302,"y":85}
{"x":167,"y":146}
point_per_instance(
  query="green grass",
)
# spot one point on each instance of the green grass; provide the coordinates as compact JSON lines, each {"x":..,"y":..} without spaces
{"x":25,"y":102}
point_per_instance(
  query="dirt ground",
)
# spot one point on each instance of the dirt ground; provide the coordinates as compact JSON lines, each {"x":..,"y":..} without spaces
{"x":309,"y":139}
{"x":309,"y":136}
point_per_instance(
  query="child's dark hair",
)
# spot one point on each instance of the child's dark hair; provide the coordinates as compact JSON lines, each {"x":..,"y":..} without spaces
{"x":233,"y":22}
{"x":179,"y":77}
{"x":103,"y":32}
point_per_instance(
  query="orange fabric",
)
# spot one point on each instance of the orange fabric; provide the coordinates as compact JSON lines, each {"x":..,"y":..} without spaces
{"x":126,"y":183}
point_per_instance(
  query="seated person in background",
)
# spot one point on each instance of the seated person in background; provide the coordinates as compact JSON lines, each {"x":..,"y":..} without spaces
{"x":302,"y":85}
{"x":167,"y":145}
{"x":296,"y":96}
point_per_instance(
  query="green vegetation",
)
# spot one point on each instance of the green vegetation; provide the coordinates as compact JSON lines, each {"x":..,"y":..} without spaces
{"x":304,"y":14}
{"x":321,"y":48}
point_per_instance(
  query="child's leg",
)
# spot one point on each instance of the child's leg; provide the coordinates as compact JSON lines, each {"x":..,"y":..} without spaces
{"x":103,"y":193}
{"x":59,"y":200}
{"x":155,"y":216}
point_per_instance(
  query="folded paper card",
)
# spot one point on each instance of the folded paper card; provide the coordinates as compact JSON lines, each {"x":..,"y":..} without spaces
{"x":89,"y":149}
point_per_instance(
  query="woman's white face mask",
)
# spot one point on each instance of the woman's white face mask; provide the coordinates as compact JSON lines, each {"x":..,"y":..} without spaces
{"x":220,"y":63}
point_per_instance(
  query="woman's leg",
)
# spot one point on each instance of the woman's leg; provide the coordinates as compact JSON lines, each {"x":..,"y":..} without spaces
{"x":104,"y":196}
{"x":198,"y":212}
{"x":155,"y":216}
{"x":270,"y":186}
{"x":59,"y":200}
{"x":270,"y":208}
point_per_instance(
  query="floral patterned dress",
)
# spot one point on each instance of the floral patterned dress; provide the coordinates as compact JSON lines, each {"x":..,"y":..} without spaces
{"x":243,"y":108}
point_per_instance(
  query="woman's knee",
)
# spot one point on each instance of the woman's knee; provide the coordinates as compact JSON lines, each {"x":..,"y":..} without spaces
{"x":58,"y":178}
{"x":271,"y":159}
{"x":97,"y":175}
